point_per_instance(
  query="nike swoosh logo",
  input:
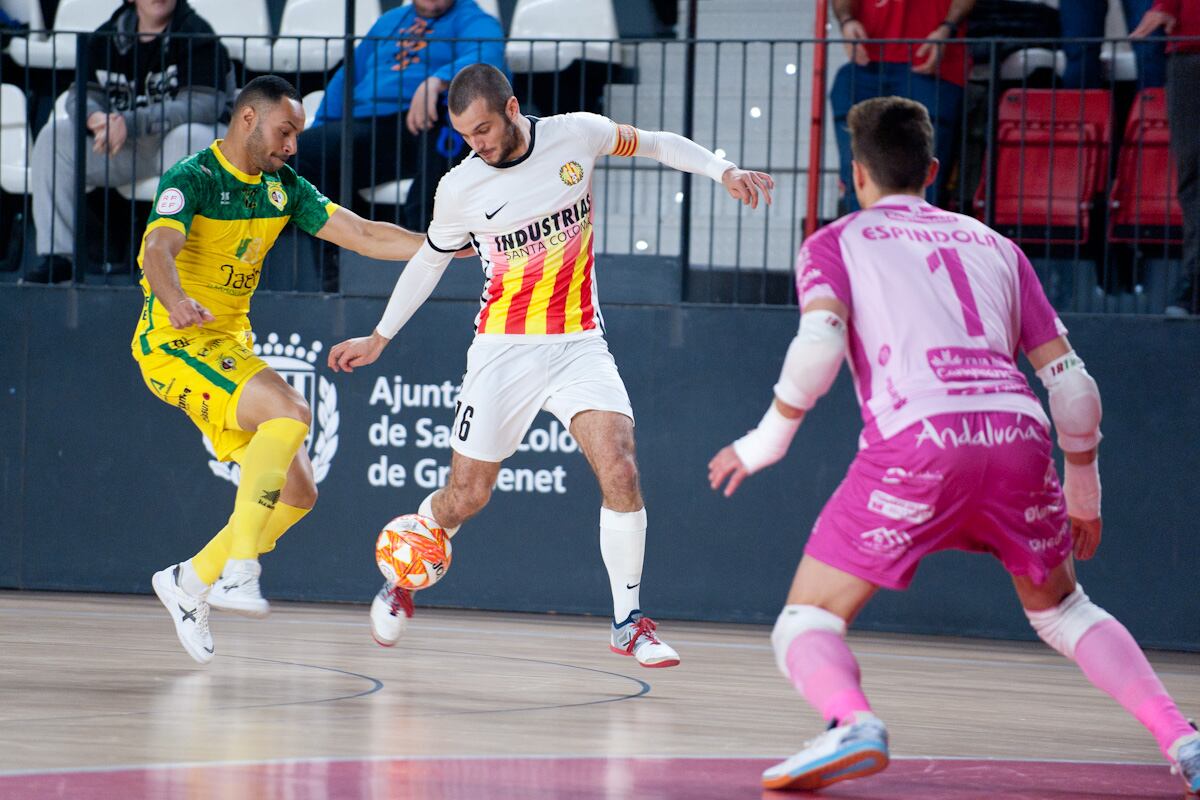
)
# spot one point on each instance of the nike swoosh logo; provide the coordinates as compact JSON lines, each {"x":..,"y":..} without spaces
{"x":208,"y":649}
{"x":633,"y":586}
{"x":494,"y":213}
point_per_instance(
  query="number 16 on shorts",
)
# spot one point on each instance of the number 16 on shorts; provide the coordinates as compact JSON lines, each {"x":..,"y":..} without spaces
{"x":462,"y":421}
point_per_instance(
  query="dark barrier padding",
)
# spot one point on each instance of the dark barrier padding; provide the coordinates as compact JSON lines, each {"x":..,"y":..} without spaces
{"x":116,"y":484}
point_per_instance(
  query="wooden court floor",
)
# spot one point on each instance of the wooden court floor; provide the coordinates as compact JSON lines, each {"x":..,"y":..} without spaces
{"x":305,"y":700}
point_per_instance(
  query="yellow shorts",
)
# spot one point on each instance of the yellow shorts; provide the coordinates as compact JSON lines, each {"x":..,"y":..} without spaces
{"x":201,"y":372}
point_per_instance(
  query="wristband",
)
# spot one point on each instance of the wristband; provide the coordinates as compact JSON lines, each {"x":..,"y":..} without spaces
{"x":1081,"y":489}
{"x":767,"y":443}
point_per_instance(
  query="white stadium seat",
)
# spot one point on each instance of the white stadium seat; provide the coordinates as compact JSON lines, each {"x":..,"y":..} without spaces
{"x":14,"y":140}
{"x":311,"y":102}
{"x":561,"y":19}
{"x":392,"y":193}
{"x":243,"y":25}
{"x":313,"y":18}
{"x":58,"y":51}
{"x":142,"y":190}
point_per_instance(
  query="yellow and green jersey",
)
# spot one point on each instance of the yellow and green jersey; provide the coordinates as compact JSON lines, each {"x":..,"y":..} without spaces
{"x":231,"y":219}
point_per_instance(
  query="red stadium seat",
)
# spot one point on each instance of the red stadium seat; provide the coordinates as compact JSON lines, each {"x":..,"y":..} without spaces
{"x":1145,"y":205}
{"x":1051,"y":157}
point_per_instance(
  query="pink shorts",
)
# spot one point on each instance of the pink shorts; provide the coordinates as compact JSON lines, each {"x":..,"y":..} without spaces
{"x":983,"y":482}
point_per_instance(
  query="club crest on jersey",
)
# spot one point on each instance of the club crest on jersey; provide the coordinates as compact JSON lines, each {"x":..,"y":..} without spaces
{"x":571,"y":173}
{"x":276,"y":195}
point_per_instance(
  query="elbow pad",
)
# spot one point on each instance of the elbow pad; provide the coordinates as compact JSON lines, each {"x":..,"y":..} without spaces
{"x":1074,"y":403}
{"x":812,"y":360}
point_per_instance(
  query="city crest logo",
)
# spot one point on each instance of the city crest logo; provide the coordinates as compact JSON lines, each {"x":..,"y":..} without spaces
{"x":297,"y":365}
{"x":571,"y":173}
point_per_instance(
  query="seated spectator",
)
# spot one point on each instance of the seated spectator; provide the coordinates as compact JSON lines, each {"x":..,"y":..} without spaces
{"x":401,"y":129}
{"x":156,"y":97}
{"x":1085,"y":19}
{"x":931,"y":72}
{"x":1181,"y":18}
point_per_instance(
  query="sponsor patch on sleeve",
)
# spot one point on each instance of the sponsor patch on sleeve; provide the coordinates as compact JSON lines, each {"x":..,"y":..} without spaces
{"x":170,"y":202}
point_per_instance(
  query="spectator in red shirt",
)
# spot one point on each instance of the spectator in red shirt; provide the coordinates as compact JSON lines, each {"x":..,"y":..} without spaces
{"x":926,"y":70}
{"x":1181,"y":18}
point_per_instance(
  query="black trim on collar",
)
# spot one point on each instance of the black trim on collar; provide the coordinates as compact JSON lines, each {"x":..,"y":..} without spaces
{"x":442,"y":250}
{"x":533,"y":121}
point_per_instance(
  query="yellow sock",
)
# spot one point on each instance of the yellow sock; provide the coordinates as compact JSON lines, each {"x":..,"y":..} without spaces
{"x":281,"y":519}
{"x":210,"y":561}
{"x":264,"y":471}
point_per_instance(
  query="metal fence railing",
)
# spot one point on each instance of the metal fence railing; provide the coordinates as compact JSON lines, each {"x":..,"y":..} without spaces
{"x":1083,"y":180}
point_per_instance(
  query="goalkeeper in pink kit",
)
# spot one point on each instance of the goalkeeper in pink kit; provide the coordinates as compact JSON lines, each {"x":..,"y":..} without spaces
{"x":931,"y":308}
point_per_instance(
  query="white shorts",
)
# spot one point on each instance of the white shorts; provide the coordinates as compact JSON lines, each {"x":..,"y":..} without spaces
{"x":507,"y":384}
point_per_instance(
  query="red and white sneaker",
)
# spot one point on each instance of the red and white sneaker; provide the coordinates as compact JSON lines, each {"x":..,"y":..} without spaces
{"x":390,"y":612}
{"x":636,"y":637}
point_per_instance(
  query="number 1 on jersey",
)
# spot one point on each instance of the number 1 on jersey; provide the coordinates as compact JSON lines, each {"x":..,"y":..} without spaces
{"x":962,"y":287}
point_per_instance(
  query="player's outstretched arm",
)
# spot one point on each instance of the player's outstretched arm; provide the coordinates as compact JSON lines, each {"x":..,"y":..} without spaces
{"x":158,"y":263}
{"x":412,"y":289}
{"x":685,"y":155}
{"x":809,"y":369}
{"x":370,"y":238}
{"x":1076,"y":411}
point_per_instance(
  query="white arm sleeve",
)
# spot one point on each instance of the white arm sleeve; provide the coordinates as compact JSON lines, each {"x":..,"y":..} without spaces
{"x":813,"y":359}
{"x":608,"y":138}
{"x":413,"y":288}
{"x":673,"y":150}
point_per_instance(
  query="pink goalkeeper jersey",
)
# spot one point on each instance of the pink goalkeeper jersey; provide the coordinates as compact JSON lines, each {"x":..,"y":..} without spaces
{"x":940,"y":305}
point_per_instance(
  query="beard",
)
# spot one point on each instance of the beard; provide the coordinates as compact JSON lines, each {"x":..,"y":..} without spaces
{"x":509,"y":143}
{"x":259,"y":152}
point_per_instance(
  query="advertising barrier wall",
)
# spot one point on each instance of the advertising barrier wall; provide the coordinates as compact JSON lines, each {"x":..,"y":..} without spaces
{"x":101,"y":483}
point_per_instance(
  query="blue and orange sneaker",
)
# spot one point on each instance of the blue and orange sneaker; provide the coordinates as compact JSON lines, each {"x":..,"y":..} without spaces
{"x":856,"y":748}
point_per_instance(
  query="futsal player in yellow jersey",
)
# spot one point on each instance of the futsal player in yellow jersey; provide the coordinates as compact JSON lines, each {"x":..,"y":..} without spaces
{"x":216,"y":215}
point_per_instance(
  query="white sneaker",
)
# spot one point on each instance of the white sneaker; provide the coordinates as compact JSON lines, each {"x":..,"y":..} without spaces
{"x":390,"y":611}
{"x":237,"y":589}
{"x":188,"y":612}
{"x":1185,"y":761}
{"x":635,"y":637}
{"x":852,"y":750}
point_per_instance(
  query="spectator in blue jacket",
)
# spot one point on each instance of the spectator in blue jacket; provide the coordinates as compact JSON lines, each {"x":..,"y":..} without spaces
{"x":401,"y":129}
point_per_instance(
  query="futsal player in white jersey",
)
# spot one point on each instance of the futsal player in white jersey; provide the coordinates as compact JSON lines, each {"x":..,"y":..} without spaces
{"x":523,"y":200}
{"x":930,"y":309}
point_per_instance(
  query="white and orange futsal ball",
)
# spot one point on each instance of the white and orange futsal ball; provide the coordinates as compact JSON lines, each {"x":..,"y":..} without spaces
{"x":413,"y":552}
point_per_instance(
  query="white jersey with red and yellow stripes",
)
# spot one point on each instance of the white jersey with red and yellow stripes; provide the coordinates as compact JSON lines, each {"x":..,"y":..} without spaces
{"x":531,"y":222}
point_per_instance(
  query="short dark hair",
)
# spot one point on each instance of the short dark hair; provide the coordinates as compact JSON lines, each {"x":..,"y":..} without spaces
{"x":479,"y":80}
{"x":893,"y":138}
{"x":265,"y":89}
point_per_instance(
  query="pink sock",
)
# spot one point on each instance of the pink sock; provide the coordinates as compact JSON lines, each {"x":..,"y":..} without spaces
{"x":1112,"y":661}
{"x":824,"y":670}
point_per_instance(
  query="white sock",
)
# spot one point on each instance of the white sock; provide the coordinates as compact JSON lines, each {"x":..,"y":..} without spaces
{"x":190,"y":582}
{"x":623,"y":546}
{"x":426,"y":510}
